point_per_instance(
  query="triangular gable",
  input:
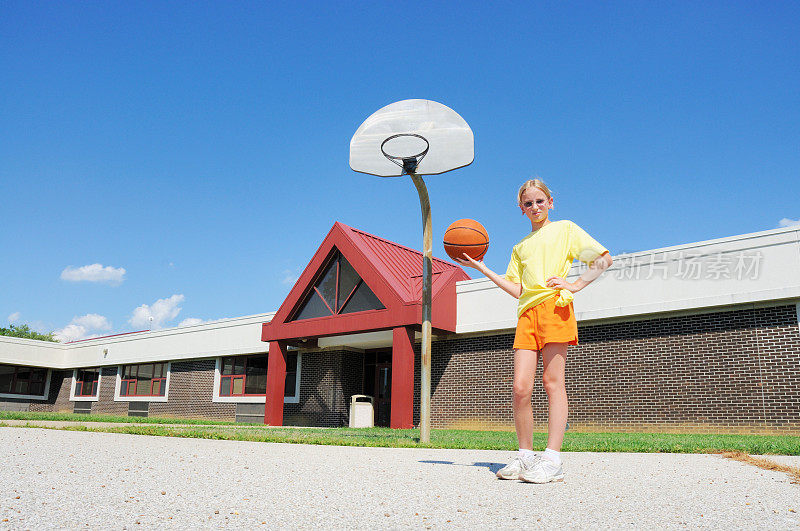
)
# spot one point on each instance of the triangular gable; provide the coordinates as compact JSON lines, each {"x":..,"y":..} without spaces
{"x":390,"y":271}
{"x":338,"y":290}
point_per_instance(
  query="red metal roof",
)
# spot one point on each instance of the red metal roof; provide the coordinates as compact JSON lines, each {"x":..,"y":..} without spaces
{"x":392,"y":271}
{"x":104,"y":337}
{"x":400,"y":265}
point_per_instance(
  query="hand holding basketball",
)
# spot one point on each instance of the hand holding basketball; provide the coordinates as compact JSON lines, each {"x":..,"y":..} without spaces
{"x":467,"y":261}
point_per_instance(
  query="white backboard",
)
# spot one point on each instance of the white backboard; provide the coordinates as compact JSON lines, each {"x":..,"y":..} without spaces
{"x":451,"y":143}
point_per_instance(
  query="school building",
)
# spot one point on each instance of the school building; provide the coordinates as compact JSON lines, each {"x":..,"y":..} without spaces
{"x":696,"y":337}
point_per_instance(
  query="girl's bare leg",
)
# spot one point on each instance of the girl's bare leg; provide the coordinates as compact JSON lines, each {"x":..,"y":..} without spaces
{"x":524,"y":375}
{"x":554,"y":361}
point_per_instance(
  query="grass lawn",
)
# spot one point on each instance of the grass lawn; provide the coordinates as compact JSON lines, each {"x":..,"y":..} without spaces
{"x":466,"y":439}
{"x":71,"y":417}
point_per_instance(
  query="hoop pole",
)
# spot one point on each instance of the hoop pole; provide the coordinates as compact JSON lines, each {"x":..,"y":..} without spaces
{"x":427,"y":275}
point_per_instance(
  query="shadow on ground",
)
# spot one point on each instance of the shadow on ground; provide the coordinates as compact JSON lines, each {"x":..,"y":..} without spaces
{"x":494,"y":467}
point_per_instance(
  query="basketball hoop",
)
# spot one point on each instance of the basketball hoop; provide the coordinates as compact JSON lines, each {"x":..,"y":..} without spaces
{"x":408,"y":162}
{"x":454,"y":147}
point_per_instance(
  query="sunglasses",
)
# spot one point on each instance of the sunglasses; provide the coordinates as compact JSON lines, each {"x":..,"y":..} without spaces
{"x":528,"y":204}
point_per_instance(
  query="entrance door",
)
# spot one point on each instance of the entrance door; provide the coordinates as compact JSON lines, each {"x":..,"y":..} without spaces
{"x":383,"y":393}
{"x":378,"y":383}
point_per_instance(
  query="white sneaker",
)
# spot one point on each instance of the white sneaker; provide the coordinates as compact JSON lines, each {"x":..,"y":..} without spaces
{"x":544,"y":471}
{"x":515,"y":469}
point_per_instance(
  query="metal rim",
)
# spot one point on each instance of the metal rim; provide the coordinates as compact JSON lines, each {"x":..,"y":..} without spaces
{"x":410,"y":162}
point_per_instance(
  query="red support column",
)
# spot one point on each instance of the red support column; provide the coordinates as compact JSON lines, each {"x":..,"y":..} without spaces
{"x":276,"y":381}
{"x":402,"y":378}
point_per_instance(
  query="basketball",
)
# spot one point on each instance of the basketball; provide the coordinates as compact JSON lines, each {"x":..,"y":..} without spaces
{"x":466,"y":236}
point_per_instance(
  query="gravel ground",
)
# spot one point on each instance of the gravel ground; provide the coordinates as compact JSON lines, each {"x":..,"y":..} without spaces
{"x":63,"y":479}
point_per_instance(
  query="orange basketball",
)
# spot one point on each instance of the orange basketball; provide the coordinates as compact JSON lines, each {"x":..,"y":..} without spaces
{"x":466,"y":236}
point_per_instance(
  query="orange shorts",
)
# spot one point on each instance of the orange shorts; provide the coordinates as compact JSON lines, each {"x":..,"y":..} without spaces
{"x":546,"y":323}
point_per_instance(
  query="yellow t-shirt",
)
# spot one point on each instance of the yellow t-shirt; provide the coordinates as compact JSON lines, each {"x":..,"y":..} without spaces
{"x":549,"y":252}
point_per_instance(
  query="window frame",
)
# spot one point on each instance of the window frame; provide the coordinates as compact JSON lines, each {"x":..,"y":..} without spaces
{"x":74,"y":396}
{"x":232,"y":377}
{"x":119,"y":397}
{"x":254,"y":399}
{"x":46,"y":387}
{"x":340,"y":300}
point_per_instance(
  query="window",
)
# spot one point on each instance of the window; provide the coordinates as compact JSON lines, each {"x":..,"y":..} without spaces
{"x":149,"y":379}
{"x":86,"y":382}
{"x":339,"y":290}
{"x":243,"y":375}
{"x":247,"y":376}
{"x":289,"y":388}
{"x":16,"y":380}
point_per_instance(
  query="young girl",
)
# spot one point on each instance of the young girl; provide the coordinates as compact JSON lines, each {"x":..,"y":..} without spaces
{"x":546,"y":325}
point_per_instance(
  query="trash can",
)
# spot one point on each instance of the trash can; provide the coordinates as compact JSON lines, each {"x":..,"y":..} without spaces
{"x":362,"y":413}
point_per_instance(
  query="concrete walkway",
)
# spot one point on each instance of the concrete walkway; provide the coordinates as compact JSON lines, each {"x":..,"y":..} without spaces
{"x":56,"y":478}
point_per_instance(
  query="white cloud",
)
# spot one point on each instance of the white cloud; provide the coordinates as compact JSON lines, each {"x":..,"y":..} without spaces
{"x":92,"y":321}
{"x":786,"y":222}
{"x":94,"y":273}
{"x":72,"y":332}
{"x":191,"y":321}
{"x":13,"y":318}
{"x":160,"y":312}
{"x":290,"y":276}
{"x":82,"y":328}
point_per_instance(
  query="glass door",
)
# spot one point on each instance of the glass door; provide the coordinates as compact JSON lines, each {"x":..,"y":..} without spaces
{"x":383,"y":393}
{"x":378,"y":383}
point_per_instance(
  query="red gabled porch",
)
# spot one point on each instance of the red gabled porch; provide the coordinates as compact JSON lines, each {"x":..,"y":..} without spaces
{"x":357,"y":282}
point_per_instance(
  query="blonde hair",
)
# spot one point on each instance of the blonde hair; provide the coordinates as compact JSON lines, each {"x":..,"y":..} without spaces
{"x":533,"y":183}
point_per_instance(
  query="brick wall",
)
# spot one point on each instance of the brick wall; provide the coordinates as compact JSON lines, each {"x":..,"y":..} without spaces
{"x":189,"y":394}
{"x":779,"y":352}
{"x":470,"y":382}
{"x":327,"y":381}
{"x":191,"y":385}
{"x":105,"y":404}
{"x":60,"y":387}
{"x":727,"y":371}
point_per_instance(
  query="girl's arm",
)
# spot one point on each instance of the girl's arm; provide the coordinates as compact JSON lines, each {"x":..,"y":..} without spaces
{"x":596,"y":269}
{"x":512,"y":288}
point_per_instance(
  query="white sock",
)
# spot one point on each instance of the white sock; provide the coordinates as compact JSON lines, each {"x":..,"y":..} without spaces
{"x":552,"y":456}
{"x":526,"y":455}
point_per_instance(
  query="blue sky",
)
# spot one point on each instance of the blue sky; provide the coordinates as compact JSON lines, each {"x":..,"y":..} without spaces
{"x":203,"y":146}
